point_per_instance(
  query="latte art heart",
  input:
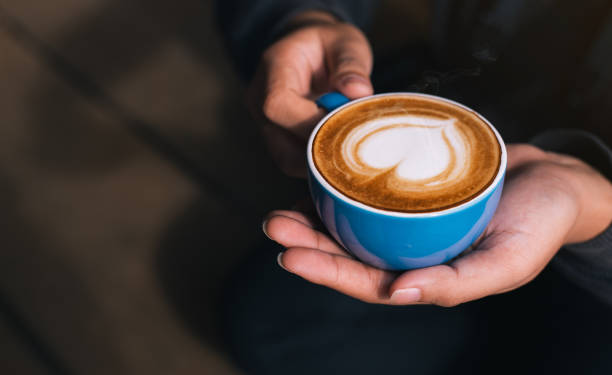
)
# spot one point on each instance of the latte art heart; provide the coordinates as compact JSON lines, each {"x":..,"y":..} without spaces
{"x":420,"y":150}
{"x":407,"y":153}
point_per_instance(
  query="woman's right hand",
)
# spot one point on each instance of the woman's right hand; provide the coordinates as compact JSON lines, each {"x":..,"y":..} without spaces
{"x":320,"y":54}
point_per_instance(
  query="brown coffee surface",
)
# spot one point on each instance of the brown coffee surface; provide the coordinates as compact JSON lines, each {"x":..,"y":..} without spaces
{"x":407,"y":153}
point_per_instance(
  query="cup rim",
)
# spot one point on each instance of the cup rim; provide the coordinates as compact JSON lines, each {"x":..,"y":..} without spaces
{"x":317,"y":175}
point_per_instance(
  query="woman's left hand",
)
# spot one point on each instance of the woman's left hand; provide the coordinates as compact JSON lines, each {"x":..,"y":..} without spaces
{"x":548,"y":200}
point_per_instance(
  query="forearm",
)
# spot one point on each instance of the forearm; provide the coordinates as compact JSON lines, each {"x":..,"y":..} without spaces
{"x":595,"y":207}
{"x":248,"y":26}
{"x":585,"y":167}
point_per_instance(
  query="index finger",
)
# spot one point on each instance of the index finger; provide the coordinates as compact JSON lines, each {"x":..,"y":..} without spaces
{"x":346,"y":275}
{"x":286,"y":102}
{"x":505,"y":260}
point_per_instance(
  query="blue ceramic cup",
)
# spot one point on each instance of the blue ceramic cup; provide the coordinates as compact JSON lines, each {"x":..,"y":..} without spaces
{"x":398,"y":240}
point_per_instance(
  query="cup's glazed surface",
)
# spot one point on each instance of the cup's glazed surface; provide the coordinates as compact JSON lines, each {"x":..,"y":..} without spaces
{"x":400,"y":240}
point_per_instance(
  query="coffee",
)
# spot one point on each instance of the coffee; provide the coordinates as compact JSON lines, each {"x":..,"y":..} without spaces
{"x":407,"y":153}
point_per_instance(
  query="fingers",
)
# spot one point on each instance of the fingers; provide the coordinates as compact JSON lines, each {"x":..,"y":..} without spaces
{"x":293,"y":214}
{"x":339,"y":54}
{"x":286,"y":108}
{"x":346,"y":275}
{"x":521,"y":153}
{"x":350,"y":65}
{"x":287,"y":88}
{"x":291,"y":229}
{"x":296,"y":70}
{"x":502,"y":262}
{"x":449,"y":285}
{"x":318,"y":259}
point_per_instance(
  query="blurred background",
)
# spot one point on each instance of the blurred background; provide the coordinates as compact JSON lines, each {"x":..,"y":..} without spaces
{"x":132,"y":181}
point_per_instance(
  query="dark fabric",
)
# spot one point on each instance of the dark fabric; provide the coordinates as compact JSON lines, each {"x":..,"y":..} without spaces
{"x":277,"y":323}
{"x":580,"y":144}
{"x":505,"y":74}
{"x":529,"y":67}
{"x":250,"y":26}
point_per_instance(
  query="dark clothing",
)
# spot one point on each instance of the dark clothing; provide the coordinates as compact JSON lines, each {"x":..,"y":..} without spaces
{"x":277,"y":323}
{"x":537,"y":70}
{"x":249,"y":26}
{"x":540,"y":66}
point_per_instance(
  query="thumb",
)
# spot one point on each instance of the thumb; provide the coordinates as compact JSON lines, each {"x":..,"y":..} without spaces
{"x":350,"y":67}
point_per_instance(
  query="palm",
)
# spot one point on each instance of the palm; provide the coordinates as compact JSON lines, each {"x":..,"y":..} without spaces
{"x":528,"y":228}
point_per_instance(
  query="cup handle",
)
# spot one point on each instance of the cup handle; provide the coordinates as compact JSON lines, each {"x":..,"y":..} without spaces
{"x":331,"y":101}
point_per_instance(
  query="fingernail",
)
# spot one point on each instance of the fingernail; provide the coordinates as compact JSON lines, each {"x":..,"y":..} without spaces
{"x":263,"y":228}
{"x":353,"y":79}
{"x":410,"y":295}
{"x":279,"y":260}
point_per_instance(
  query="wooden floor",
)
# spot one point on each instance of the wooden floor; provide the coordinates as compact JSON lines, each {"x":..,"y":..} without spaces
{"x":131,"y":180}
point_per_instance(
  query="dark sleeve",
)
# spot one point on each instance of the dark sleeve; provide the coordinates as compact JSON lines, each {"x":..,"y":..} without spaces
{"x":589,"y":264}
{"x":249,"y":26}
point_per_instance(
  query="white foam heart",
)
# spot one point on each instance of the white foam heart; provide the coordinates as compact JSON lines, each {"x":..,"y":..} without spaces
{"x":414,"y":145}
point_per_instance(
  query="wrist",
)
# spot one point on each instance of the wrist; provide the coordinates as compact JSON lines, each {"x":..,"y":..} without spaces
{"x":593,"y":159}
{"x":594,"y":216}
{"x":584,"y":194}
{"x":589,"y":191}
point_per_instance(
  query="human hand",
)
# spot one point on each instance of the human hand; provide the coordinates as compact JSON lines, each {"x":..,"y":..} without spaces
{"x":548,"y":200}
{"x":321,"y":54}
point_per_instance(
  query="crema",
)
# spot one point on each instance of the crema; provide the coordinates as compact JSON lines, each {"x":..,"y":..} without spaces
{"x":407,"y":153}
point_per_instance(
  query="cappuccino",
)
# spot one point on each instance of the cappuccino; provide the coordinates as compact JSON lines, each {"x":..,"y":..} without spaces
{"x":407,"y":153}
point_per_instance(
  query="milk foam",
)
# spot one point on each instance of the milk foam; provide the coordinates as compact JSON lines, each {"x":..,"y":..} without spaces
{"x":422,"y":150}
{"x":407,"y":153}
